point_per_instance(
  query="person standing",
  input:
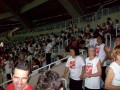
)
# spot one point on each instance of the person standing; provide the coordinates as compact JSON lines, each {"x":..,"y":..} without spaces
{"x":75,"y":64}
{"x":20,"y":77}
{"x":101,"y":53}
{"x":48,"y":51}
{"x":112,"y":81}
{"x":93,"y":70}
{"x":8,"y":67}
{"x":117,"y":43}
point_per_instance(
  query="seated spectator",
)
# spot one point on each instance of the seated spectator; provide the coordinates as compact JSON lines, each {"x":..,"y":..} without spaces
{"x":41,"y":59}
{"x":93,"y":41}
{"x":58,"y":59}
{"x":75,"y":29}
{"x":79,"y":38}
{"x":109,"y":20}
{"x":82,"y":45}
{"x":49,"y":80}
{"x":74,"y":42}
{"x":87,"y":40}
{"x":112,"y":81}
{"x":88,"y":28}
{"x":34,"y":64}
{"x":29,"y":57}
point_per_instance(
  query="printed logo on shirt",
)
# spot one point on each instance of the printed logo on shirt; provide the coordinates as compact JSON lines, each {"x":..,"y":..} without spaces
{"x":10,"y":64}
{"x":72,"y":64}
{"x":89,"y":68}
{"x":97,"y":51}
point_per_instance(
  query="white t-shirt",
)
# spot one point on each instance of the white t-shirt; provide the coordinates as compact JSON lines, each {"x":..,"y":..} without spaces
{"x":117,"y":26}
{"x":29,"y":58}
{"x":8,"y":66}
{"x":75,"y":66}
{"x":100,"y":53}
{"x":53,"y":41}
{"x":91,"y":68}
{"x":31,"y":50}
{"x":116,"y":69}
{"x":93,"y":41}
{"x":48,"y":48}
{"x":87,"y":42}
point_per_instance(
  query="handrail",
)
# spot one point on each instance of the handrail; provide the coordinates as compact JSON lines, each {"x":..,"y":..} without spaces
{"x":48,"y":65}
{"x":107,"y":3}
{"x":65,"y":81}
{"x":5,"y":82}
{"x":93,"y":16}
{"x":77,"y":17}
{"x":38,"y":69}
{"x":106,"y":37}
{"x":117,"y":28}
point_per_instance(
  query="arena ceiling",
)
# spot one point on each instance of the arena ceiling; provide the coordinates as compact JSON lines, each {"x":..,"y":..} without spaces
{"x":29,"y":13}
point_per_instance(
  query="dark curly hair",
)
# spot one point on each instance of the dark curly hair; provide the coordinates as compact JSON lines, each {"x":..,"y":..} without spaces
{"x":49,"y":80}
{"x":76,"y":50}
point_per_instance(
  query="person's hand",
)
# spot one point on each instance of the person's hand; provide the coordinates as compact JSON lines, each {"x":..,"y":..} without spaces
{"x":113,"y":57}
{"x":102,"y":63}
{"x":63,"y":76}
{"x":17,"y":28}
{"x":81,"y":76}
{"x":107,"y":48}
{"x":85,"y":75}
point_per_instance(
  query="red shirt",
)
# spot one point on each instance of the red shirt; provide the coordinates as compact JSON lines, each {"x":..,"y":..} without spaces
{"x":11,"y":87}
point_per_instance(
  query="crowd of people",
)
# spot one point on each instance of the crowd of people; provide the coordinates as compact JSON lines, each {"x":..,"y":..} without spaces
{"x":39,"y":51}
{"x":48,"y":80}
{"x":93,"y":69}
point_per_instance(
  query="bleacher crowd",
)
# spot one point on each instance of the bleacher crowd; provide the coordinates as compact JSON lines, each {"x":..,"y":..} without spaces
{"x":45,"y":49}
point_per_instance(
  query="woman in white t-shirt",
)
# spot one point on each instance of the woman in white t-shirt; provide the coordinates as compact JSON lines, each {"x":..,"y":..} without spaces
{"x":93,"y":70}
{"x":75,"y":65}
{"x":112,"y":81}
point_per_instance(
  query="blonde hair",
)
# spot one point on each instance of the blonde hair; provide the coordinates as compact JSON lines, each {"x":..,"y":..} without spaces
{"x":116,"y":51}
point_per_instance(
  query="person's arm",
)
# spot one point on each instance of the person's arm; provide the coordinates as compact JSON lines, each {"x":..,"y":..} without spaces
{"x":82,"y":62}
{"x":66,"y":67}
{"x":65,"y":71}
{"x":108,"y":50}
{"x":108,"y":81}
{"x":83,"y":71}
{"x":106,"y":57}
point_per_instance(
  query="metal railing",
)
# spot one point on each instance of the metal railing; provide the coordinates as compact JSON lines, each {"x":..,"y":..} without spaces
{"x":108,"y":39}
{"x":117,"y":28}
{"x":88,"y":17}
{"x":47,"y":67}
{"x":35,"y":72}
